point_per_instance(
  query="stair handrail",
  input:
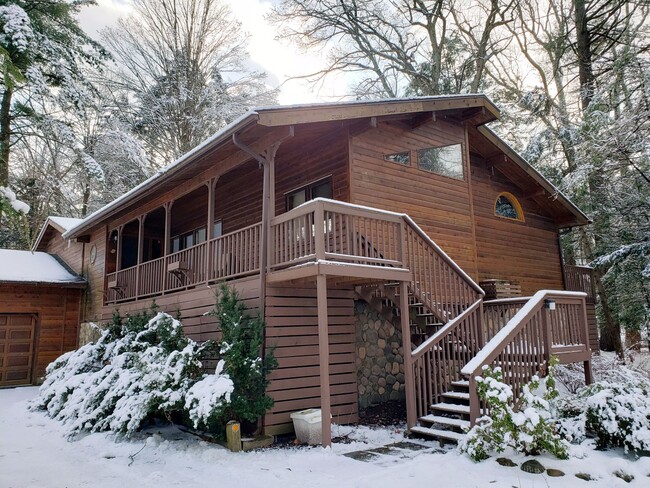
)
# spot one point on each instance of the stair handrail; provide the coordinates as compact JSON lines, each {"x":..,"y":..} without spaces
{"x":423,"y":235}
{"x":437,"y":352}
{"x":535,"y":344}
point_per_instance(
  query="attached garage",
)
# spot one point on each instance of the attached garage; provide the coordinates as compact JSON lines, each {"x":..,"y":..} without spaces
{"x":40,"y":312}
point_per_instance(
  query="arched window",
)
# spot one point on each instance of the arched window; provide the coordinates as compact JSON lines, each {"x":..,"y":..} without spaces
{"x":508,"y":207}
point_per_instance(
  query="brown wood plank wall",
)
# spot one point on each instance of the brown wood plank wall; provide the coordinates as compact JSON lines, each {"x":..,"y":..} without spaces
{"x":527,"y":252}
{"x":57,"y":325}
{"x":292,"y":329}
{"x":94,"y":274}
{"x":69,"y":251}
{"x":238,"y":197}
{"x":440,"y":205}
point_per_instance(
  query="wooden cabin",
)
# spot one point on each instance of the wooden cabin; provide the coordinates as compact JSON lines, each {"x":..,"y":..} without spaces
{"x":362,"y":231}
{"x":40,"y":312}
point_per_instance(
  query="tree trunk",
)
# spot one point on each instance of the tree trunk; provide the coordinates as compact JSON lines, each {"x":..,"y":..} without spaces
{"x":583,"y":51}
{"x":610,"y":331}
{"x":5,"y":135}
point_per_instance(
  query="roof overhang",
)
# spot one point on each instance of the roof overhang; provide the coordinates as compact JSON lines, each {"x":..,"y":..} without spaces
{"x":475,"y":107}
{"x":577,"y":218}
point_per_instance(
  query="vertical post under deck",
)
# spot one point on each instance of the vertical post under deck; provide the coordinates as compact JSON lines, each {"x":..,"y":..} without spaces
{"x":138,"y":260}
{"x":209,"y":231}
{"x":324,"y":359}
{"x":411,"y":414}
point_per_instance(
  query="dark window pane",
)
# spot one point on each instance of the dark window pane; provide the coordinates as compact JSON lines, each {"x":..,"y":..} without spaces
{"x":217,"y":230}
{"x":188,"y":240}
{"x":296,"y":198}
{"x":399,"y":158}
{"x":446,"y":161}
{"x":322,"y":190}
{"x":176,"y":244}
{"x":199,"y":235}
{"x":505,"y":208}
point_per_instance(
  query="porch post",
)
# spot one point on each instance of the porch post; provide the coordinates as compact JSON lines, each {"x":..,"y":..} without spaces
{"x":118,"y":264}
{"x":411,"y":414}
{"x":168,"y":223}
{"x":209,"y":230}
{"x":324,"y":359}
{"x":139,"y":257}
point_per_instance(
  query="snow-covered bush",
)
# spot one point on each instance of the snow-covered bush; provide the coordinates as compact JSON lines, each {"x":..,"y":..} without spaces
{"x":530,"y":429}
{"x":617,"y":413}
{"x":140,"y":369}
{"x":241,"y":347}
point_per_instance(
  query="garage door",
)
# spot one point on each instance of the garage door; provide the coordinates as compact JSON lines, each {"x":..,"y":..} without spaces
{"x":16,"y":349}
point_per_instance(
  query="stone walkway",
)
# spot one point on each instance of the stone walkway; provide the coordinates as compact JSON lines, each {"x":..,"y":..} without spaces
{"x":393,"y":453}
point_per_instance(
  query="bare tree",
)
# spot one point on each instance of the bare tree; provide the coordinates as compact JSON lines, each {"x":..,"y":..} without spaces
{"x":396,"y":47}
{"x":181,"y":66}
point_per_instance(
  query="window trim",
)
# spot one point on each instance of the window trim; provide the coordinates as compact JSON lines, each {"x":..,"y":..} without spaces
{"x":462,"y":161}
{"x":515,"y":203}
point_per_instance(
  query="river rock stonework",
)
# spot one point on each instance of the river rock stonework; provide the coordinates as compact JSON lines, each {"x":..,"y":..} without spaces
{"x":380,"y":357}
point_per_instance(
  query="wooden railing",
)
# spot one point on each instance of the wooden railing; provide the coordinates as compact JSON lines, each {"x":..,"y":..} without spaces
{"x":581,"y":278}
{"x":236,"y":254}
{"x":551,"y":323}
{"x":439,"y":360}
{"x":325,"y":229}
{"x":232,"y":255}
{"x":497,"y":313}
{"x":438,"y":282}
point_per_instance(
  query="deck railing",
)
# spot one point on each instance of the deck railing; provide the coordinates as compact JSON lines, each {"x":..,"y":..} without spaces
{"x":551,"y":323}
{"x":232,"y":255}
{"x":335,"y":231}
{"x":497,"y":313}
{"x":581,"y":278}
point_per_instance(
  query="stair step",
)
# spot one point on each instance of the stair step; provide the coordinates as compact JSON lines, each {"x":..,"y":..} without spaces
{"x":456,"y":395}
{"x":437,"y":433}
{"x":462,"y":383}
{"x":450,"y":421}
{"x":451,"y":407}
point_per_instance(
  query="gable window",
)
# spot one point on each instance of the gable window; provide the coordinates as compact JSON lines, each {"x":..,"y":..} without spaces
{"x":399,"y":158}
{"x":445,"y":161}
{"x":508,"y":207}
{"x":318,"y":189}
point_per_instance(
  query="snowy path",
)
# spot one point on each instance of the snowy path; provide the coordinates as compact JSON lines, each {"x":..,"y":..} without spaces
{"x":34,"y":453}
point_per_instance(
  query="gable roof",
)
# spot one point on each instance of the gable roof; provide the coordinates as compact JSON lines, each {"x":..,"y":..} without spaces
{"x":59,"y":224}
{"x":26,"y":267}
{"x":477,"y":108}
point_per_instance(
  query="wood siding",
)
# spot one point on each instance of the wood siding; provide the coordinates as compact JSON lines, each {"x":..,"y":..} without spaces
{"x":57,"y":324}
{"x":94,"y":274}
{"x":292,"y":330}
{"x":527,"y":252}
{"x":238,"y":197}
{"x":440,"y":205}
{"x":70,"y":252}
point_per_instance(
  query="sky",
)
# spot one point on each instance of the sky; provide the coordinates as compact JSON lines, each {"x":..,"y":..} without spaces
{"x":278,"y":59}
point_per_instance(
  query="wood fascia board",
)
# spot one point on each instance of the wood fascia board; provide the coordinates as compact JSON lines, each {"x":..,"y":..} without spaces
{"x":340,"y":270}
{"x":511,"y":154}
{"x":327,"y":112}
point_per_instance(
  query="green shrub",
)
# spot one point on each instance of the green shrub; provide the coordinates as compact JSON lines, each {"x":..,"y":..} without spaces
{"x":531,"y":429}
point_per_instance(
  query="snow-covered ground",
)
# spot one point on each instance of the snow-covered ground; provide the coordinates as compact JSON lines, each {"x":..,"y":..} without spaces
{"x":35,"y":453}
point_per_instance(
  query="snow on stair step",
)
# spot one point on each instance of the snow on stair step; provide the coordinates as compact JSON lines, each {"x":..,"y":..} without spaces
{"x":437,"y":419}
{"x":441,"y":434}
{"x":451,"y":407}
{"x":461,"y":383}
{"x":456,"y":395}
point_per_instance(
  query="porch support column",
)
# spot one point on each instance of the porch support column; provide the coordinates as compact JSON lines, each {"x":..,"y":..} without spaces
{"x":411,"y":414}
{"x":139,"y":256}
{"x":118,"y":264}
{"x":168,"y":223}
{"x":324,"y":359}
{"x":209,"y":231}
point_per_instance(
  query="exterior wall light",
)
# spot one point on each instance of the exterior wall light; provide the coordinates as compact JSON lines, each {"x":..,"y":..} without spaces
{"x":549,"y":304}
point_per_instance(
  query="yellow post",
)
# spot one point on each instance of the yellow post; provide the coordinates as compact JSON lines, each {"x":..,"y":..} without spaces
{"x":233,"y":436}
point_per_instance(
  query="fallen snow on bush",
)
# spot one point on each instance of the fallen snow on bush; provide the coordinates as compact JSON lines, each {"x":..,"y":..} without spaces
{"x":132,"y":373}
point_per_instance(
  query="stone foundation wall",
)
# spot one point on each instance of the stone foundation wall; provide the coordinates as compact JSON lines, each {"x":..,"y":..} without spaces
{"x":380,"y":361}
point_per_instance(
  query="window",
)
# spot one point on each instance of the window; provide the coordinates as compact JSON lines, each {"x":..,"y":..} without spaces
{"x":318,"y":189}
{"x":508,"y":207}
{"x":445,"y":161}
{"x":217,"y":229}
{"x":399,"y":158}
{"x":189,"y":239}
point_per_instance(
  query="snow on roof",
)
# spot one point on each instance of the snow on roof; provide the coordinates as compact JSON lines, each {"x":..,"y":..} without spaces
{"x":33,"y":267}
{"x":66,"y":223}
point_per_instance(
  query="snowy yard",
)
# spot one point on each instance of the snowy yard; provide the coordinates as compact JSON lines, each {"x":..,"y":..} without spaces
{"x":35,"y":453}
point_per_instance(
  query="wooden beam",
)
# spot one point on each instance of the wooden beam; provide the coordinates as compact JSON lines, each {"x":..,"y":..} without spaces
{"x":323,"y":355}
{"x":409,"y":379}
